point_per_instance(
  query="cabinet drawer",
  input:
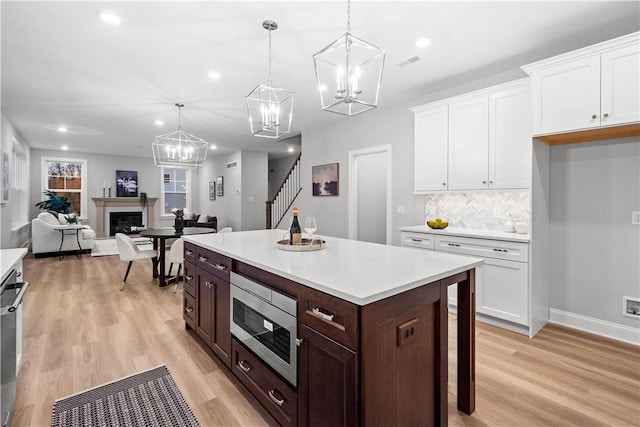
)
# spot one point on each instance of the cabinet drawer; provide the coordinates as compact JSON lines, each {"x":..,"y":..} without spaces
{"x":275,"y":395}
{"x":190,"y":252}
{"x":189,"y":310}
{"x":331,"y":316}
{"x":484,"y":248}
{"x":213,"y":262}
{"x":417,"y":240}
{"x":189,"y":278}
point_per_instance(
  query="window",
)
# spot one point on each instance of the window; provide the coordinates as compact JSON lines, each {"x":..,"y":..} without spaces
{"x":176,"y":189}
{"x":19,"y":183}
{"x":67,"y":177}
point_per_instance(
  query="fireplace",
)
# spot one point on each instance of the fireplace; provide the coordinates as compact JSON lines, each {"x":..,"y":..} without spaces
{"x":107,"y":205}
{"x":121,"y":222}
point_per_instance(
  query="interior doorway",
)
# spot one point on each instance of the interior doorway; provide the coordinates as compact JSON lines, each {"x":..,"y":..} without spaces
{"x":370,"y":194}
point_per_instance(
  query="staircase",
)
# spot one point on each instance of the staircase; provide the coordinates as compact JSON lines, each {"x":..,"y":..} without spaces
{"x":285,"y":196}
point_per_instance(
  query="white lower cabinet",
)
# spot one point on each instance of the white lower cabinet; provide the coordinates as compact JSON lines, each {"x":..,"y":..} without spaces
{"x":502,"y":282}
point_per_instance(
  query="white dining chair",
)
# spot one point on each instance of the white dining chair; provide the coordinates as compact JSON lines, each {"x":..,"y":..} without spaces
{"x":176,"y":256}
{"x":226,"y":230}
{"x":128,"y":251}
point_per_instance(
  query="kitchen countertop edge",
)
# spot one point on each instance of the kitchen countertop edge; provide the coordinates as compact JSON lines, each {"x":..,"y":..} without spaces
{"x":469,"y":232}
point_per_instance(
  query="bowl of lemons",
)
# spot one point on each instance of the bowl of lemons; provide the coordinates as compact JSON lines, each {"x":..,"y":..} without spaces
{"x":437,"y":223}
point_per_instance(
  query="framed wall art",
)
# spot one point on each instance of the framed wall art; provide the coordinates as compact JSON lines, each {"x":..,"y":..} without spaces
{"x":212,"y":190}
{"x":219,"y":186}
{"x":324,"y":179}
{"x":126,"y":183}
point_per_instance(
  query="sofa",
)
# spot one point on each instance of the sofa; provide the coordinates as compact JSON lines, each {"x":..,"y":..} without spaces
{"x":202,"y":221}
{"x":45,"y":238}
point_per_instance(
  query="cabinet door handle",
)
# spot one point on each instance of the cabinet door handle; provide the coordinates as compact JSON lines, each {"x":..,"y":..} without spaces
{"x":490,"y":182}
{"x":188,"y":252}
{"x":484,"y":182}
{"x":454,"y":245}
{"x":273,"y":397}
{"x":593,"y":116}
{"x":188,"y":309}
{"x":220,"y":267}
{"x":203,"y":259}
{"x":317,"y":312}
{"x":500,"y":250}
{"x":444,"y":183}
{"x":208,"y":284}
{"x":242,"y":366}
{"x":189,"y":277}
{"x":606,"y":115}
{"x":299,"y":341}
{"x":416,"y":240}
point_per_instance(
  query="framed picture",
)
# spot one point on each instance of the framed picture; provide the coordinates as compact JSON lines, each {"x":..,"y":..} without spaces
{"x":212,"y":190}
{"x":126,"y":183}
{"x":4,"y":197}
{"x":324,"y":179}
{"x":219,"y":186}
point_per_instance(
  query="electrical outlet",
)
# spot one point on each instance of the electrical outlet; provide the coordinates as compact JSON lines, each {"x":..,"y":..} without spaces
{"x":400,"y":209}
{"x":635,"y":218}
{"x":497,"y":212}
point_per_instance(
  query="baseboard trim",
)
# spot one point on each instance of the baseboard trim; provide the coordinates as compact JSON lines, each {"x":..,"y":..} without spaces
{"x":595,"y":326}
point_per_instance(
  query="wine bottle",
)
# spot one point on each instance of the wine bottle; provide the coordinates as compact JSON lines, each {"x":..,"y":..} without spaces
{"x":295,"y":233}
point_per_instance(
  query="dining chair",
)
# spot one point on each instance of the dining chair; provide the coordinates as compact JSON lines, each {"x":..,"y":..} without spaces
{"x":128,"y":251}
{"x":176,"y":256}
{"x":226,"y":230}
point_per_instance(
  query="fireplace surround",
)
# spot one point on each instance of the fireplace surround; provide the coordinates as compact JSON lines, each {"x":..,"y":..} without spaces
{"x":104,"y":205}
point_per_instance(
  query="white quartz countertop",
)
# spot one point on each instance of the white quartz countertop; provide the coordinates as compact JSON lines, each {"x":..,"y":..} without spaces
{"x":8,"y":258}
{"x":470,"y":232}
{"x":358,"y":272}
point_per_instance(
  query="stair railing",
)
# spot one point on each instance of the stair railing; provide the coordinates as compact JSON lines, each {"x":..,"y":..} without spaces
{"x":285,"y":196}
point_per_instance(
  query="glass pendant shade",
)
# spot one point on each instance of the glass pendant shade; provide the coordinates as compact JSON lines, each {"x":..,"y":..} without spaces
{"x":270,"y":111}
{"x":348,"y":75}
{"x":179,"y":148}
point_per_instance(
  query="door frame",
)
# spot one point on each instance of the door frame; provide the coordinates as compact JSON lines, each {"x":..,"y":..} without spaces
{"x":353,"y":188}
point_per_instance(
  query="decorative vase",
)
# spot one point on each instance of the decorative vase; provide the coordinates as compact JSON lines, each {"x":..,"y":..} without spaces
{"x":178,"y":224}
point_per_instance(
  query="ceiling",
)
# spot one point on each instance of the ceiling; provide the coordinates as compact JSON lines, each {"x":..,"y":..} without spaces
{"x":63,"y":66}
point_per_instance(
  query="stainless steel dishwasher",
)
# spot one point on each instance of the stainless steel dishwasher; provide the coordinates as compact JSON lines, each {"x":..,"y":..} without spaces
{"x":11,"y":295}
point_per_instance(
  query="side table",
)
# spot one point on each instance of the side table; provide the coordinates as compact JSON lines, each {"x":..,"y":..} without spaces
{"x":69,"y":230}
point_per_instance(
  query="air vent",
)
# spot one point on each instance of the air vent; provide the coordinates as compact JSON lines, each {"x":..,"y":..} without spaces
{"x":232,"y":165}
{"x":409,"y":61}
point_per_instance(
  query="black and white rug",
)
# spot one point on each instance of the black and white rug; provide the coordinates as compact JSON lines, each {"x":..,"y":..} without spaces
{"x":148,"y":398}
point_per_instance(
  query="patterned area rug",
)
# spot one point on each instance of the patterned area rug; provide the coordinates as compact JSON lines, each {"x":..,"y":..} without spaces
{"x":149,"y":398}
{"x":103,"y":247}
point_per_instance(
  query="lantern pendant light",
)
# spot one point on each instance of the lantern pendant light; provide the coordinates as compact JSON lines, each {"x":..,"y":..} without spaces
{"x":349,"y":73}
{"x":179,"y":148}
{"x":270,"y":109}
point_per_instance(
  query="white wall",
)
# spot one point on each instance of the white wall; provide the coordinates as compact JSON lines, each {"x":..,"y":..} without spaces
{"x":281,"y":168}
{"x":372,"y":200}
{"x":15,"y":233}
{"x":226,"y":208}
{"x":253,"y":190}
{"x":594,"y":249}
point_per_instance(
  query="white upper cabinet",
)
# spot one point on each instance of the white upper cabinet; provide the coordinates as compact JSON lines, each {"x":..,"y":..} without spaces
{"x":587,"y":89}
{"x":510,"y":145}
{"x":477,"y":141}
{"x":469,"y":144}
{"x":430,"y":153}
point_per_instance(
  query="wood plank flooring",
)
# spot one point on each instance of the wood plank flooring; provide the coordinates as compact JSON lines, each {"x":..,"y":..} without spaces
{"x":81,"y":331}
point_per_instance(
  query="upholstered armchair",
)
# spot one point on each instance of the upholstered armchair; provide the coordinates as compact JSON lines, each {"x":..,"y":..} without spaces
{"x":45,"y":236}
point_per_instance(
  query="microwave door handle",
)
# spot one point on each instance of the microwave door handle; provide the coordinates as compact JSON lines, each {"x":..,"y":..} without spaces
{"x":14,"y":306}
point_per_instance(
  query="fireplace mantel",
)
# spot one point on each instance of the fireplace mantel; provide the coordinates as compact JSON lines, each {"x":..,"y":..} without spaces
{"x":102,"y":203}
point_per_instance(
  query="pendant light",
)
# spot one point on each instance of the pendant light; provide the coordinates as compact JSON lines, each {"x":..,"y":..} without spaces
{"x":270,"y":109}
{"x":349,"y":73}
{"x":179,"y":148}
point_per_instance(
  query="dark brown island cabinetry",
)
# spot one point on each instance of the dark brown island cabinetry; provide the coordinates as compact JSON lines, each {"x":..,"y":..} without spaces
{"x":378,"y":364}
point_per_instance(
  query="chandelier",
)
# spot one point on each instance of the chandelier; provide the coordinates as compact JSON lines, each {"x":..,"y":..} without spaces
{"x":349,"y":73}
{"x":179,"y":148}
{"x":270,"y":109}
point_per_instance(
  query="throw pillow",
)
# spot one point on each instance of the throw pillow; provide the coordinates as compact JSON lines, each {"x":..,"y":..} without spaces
{"x":203,"y":219}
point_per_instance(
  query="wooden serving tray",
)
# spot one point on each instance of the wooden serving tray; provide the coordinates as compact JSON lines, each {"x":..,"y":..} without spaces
{"x":306,"y":246}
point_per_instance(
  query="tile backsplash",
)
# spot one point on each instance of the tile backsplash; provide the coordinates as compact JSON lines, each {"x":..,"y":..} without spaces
{"x":486,"y":210}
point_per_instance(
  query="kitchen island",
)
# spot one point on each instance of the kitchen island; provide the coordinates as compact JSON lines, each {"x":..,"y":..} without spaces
{"x":371,"y":326}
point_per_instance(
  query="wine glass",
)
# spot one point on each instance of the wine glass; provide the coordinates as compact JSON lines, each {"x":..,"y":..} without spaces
{"x":310,"y":226}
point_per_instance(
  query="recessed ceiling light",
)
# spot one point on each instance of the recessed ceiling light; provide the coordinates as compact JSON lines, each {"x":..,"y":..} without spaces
{"x":110,"y":18}
{"x":64,"y":147}
{"x":424,"y":42}
{"x":213,"y":147}
{"x":214,"y":75}
{"x":159,"y":122}
{"x":62,"y":129}
{"x":290,"y":149}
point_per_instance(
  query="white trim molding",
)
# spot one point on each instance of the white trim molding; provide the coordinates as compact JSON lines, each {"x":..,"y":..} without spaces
{"x":595,"y":326}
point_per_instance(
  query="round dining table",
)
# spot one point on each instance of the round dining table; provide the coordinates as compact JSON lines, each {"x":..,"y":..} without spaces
{"x":160,"y":236}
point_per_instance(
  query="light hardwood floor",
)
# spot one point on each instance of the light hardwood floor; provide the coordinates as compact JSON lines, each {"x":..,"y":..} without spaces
{"x":81,"y":331}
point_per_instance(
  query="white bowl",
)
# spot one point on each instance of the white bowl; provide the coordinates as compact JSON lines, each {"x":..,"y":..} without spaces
{"x":521,"y":227}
